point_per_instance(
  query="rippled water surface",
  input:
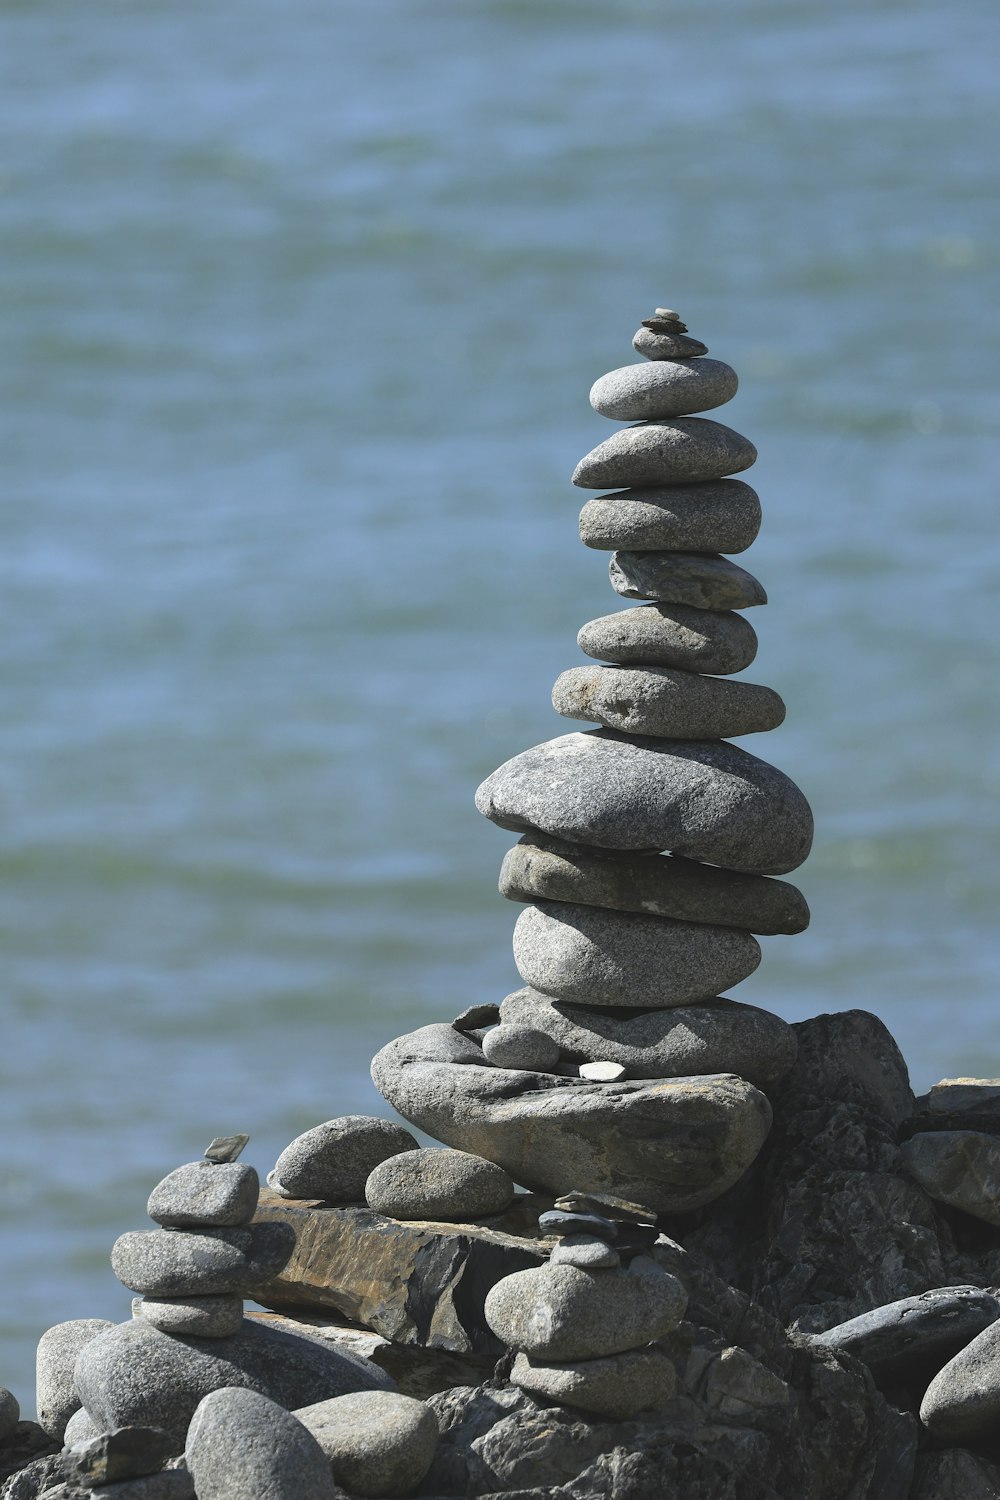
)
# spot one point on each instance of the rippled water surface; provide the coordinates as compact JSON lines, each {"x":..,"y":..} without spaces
{"x":301,"y":306}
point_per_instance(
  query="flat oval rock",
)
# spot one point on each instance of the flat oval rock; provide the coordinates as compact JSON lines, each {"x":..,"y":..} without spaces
{"x":675,"y":635}
{"x":213,"y":1317}
{"x":178,"y":1262}
{"x":669,"y":388}
{"x":706,"y":799}
{"x":667,"y":345}
{"x":333,"y":1161}
{"x":55,"y":1360}
{"x":720,"y":516}
{"x":438,"y":1184}
{"x":204,"y":1192}
{"x":720,"y":1036}
{"x":669,"y":1145}
{"x":932,"y":1326}
{"x":699,"y":580}
{"x":590,"y":956}
{"x":546,"y":869}
{"x":667,"y":703}
{"x":618,"y":1386}
{"x":962,"y":1402}
{"x":683,"y":451}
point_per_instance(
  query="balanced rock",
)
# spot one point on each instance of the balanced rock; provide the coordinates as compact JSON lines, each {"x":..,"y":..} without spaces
{"x":617,"y":1386}
{"x":685,"y":450}
{"x":721,"y":515}
{"x":55,"y":1362}
{"x":205,"y":1193}
{"x":664,"y":702}
{"x":212,"y":1317}
{"x":516,"y":1046}
{"x":438,"y":1184}
{"x":586,"y":1251}
{"x":699,"y":580}
{"x":333,"y":1161}
{"x":675,"y":635}
{"x":591,"y":956}
{"x":704,"y":798}
{"x":178,"y":1263}
{"x":674,"y":388}
{"x":241,"y":1444}
{"x":958,"y":1167}
{"x":376,"y":1442}
{"x":667,"y":345}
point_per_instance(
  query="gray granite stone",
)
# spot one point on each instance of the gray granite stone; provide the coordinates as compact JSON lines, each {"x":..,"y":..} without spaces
{"x":213,"y":1317}
{"x":722,"y":515}
{"x":204,"y":1193}
{"x":241,"y":1445}
{"x":333,"y":1161}
{"x":55,"y":1361}
{"x":183,"y":1263}
{"x":698,"y":579}
{"x":125,"y":1453}
{"x":517,"y":1046}
{"x":438,"y":1183}
{"x":675,"y":635}
{"x":962,"y":1402}
{"x":546,"y":869}
{"x":10,"y":1413}
{"x":915,"y":1331}
{"x":720,"y":1036}
{"x":669,"y":1145}
{"x":668,"y":704}
{"x":706,"y":799}
{"x":667,"y":388}
{"x":377,"y":1442}
{"x":133,"y":1374}
{"x":617,"y":1386}
{"x":667,"y":346}
{"x":560,"y":1312}
{"x":585,"y":1251}
{"x":685,"y":450}
{"x":81,"y":1426}
{"x":958,"y":1167}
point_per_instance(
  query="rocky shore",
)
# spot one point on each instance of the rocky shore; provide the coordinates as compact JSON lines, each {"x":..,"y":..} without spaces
{"x":668,"y":1243}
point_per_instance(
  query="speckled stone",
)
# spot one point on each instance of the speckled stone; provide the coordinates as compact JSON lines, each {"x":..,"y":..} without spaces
{"x":962,"y":1403}
{"x":520,"y":1047}
{"x":720,"y":516}
{"x":664,"y":702}
{"x":618,"y":1386}
{"x":377,"y":1443}
{"x":672,"y":635}
{"x":438,"y":1184}
{"x":205,"y":1193}
{"x":717,"y":1036}
{"x":241,"y":1444}
{"x":706,"y":799}
{"x":958,"y":1167}
{"x":217,"y":1317}
{"x":586,"y":1251}
{"x":667,"y":388}
{"x":699,"y":580}
{"x":666,"y":345}
{"x":685,"y":450}
{"x":546,"y":869}
{"x":55,"y":1362}
{"x":180,"y":1262}
{"x":333,"y":1161}
{"x":589,"y":956}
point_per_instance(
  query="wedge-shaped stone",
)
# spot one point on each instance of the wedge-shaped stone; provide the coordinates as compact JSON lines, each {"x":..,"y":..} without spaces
{"x":590,"y":956}
{"x":700,"y":580}
{"x":664,"y":702}
{"x":958,"y":1167}
{"x":683,"y":451}
{"x":720,"y":1036}
{"x":667,"y":345}
{"x":704,"y":798}
{"x":668,"y":388}
{"x":564,"y":1312}
{"x":546,"y":869}
{"x":617,"y":1386}
{"x":720,"y":516}
{"x":670,"y":1145}
{"x":674,"y":635}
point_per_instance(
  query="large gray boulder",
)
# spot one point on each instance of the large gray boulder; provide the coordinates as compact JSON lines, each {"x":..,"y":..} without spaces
{"x":666,"y":703}
{"x":242,"y":1445}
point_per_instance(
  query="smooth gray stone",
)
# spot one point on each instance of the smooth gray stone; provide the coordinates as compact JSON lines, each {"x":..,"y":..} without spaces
{"x":169,"y":1484}
{"x":617,"y":1386}
{"x":666,"y":703}
{"x":962,"y":1402}
{"x":699,"y":580}
{"x":668,"y":388}
{"x":125,"y":1453}
{"x":589,"y":956}
{"x":585,"y":1251}
{"x":204,"y":1193}
{"x":10,"y":1412}
{"x":55,"y":1361}
{"x":674,"y":635}
{"x":333,"y":1161}
{"x":133,"y":1374}
{"x":183,"y":1263}
{"x":517,"y":1046}
{"x":667,"y":346}
{"x":81,"y":1426}
{"x":376,"y":1442}
{"x":720,"y":1036}
{"x":555,"y":1312}
{"x":217,"y":1317}
{"x":438,"y":1183}
{"x":958,"y":1167}
{"x":931,"y":1327}
{"x":545,"y":869}
{"x":225,"y":1147}
{"x":704,"y":798}
{"x":684,"y":450}
{"x":698,"y":1135}
{"x":242,"y":1445}
{"x":722,"y":515}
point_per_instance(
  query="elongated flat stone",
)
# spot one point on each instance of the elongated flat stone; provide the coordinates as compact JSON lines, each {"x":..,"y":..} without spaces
{"x":720,"y":1036}
{"x":669,"y":1145}
{"x":675,"y":635}
{"x":703,"y":798}
{"x":722,"y":515}
{"x":541,"y":869}
{"x":699,"y":580}
{"x":667,"y":345}
{"x":589,"y":956}
{"x":213,"y":1317}
{"x":958,"y":1167}
{"x":665,"y":702}
{"x":682,"y":451}
{"x":928,"y":1329}
{"x":667,"y":388}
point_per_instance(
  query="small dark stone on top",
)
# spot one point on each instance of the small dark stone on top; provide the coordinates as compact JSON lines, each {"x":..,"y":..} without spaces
{"x":226,"y":1147}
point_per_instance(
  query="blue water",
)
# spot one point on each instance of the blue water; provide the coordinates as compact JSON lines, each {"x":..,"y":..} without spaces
{"x":300,"y":306}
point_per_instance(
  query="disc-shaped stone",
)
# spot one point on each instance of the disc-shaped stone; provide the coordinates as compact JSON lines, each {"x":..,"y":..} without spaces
{"x":675,"y":635}
{"x":667,"y":388}
{"x":684,"y":450}
{"x":667,"y":703}
{"x":704,"y":798}
{"x":721,"y":515}
{"x":667,"y":345}
{"x":697,"y":579}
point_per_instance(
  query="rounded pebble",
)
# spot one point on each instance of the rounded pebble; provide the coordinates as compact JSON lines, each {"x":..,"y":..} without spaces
{"x":55,"y":1363}
{"x":217,"y":1317}
{"x":667,"y":345}
{"x":722,"y":515}
{"x":333,"y":1161}
{"x":585,"y":1251}
{"x":666,"y":703}
{"x":438,"y":1184}
{"x":377,"y":1443}
{"x":222,"y":1194}
{"x":520,"y":1047}
{"x":675,"y":635}
{"x":667,"y":388}
{"x":685,"y":450}
{"x":697,"y":579}
{"x":240,"y":1444}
